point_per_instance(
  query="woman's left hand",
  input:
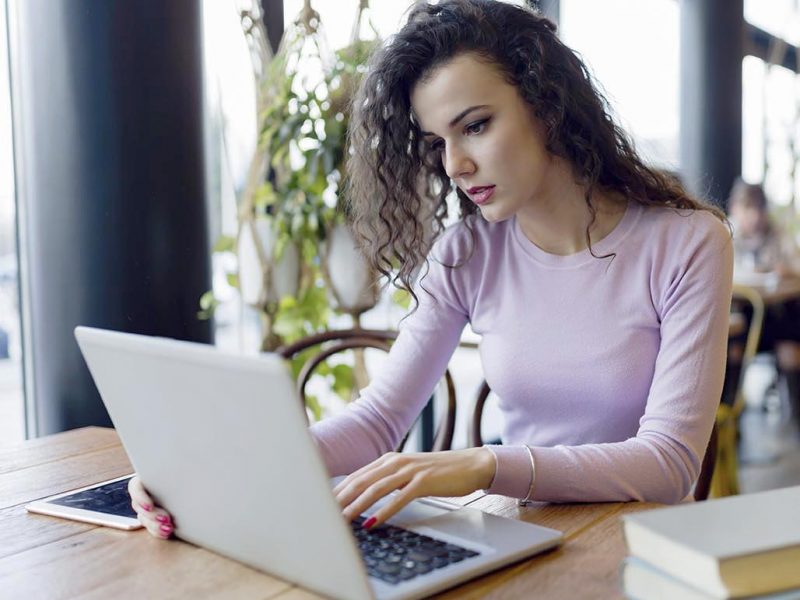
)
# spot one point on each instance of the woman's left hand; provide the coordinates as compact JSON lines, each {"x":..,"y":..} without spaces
{"x":450,"y":473}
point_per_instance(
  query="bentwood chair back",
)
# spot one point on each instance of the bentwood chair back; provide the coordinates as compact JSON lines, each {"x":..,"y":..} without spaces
{"x":326,"y":344}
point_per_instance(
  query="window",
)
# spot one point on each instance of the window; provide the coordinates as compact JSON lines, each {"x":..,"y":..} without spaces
{"x":778,"y":17}
{"x":770,"y":129}
{"x":632,"y":49}
{"x":771,"y":107}
{"x":12,"y":422}
{"x":338,"y":18}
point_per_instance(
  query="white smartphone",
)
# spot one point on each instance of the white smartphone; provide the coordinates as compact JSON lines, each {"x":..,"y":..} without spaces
{"x":105,"y":503}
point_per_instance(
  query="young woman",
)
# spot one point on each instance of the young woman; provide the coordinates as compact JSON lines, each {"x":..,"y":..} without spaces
{"x":601,"y":289}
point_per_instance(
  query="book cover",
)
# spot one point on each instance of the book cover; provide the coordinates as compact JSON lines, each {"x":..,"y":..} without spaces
{"x":729,"y":547}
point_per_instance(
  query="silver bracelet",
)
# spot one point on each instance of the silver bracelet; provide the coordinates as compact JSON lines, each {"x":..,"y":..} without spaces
{"x":527,"y":500}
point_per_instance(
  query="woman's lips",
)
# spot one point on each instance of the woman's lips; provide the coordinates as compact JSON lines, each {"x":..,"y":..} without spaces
{"x":481,"y":194}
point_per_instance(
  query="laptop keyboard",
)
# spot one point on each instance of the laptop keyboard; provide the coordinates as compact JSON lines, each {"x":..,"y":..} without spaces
{"x":394,"y":555}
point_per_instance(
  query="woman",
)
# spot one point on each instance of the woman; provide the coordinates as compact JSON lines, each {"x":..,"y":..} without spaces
{"x":761,"y":247}
{"x":601,"y":290}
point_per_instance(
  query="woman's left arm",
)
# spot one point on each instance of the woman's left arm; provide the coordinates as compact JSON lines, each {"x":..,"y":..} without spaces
{"x":662,"y":462}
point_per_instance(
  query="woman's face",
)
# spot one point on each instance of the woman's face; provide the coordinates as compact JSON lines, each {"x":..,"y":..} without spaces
{"x":489,"y":142}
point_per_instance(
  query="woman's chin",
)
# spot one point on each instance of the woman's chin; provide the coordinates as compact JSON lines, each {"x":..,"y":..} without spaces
{"x":493,"y":214}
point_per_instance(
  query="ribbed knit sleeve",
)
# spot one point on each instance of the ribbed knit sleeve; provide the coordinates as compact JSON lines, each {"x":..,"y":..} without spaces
{"x":385,"y":410}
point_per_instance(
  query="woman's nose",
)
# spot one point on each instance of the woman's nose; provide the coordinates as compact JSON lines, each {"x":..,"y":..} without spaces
{"x":457,"y":163}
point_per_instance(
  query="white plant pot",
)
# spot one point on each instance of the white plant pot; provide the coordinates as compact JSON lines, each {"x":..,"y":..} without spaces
{"x":353,"y":283}
{"x":283,"y":276}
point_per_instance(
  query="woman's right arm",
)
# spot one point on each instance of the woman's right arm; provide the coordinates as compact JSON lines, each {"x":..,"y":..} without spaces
{"x":386,"y":409}
{"x":376,"y":422}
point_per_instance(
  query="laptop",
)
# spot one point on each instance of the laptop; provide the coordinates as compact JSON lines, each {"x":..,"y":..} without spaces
{"x":221,"y":441}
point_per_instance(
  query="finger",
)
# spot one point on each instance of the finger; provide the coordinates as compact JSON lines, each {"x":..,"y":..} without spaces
{"x":158,"y":530}
{"x":358,"y":482}
{"x":359,"y":487}
{"x":139,"y":495}
{"x":363,"y":470}
{"x":146,"y":518}
{"x":162,"y":517}
{"x":146,"y":511}
{"x":410,"y":492}
{"x":375,"y":492}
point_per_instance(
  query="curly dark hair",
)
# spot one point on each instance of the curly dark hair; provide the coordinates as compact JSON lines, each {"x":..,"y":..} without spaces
{"x":397,"y":190}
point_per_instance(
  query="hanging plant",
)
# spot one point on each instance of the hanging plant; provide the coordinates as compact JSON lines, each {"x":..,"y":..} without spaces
{"x":290,"y":220}
{"x":308,"y":90}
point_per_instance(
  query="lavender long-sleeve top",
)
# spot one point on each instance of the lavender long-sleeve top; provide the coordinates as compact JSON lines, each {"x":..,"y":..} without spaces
{"x":610,"y":370}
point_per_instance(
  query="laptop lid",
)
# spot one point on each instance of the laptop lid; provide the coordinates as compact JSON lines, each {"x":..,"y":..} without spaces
{"x":189,"y":415}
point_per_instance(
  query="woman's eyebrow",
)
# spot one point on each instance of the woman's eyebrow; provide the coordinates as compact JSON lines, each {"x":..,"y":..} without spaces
{"x":458,"y":117}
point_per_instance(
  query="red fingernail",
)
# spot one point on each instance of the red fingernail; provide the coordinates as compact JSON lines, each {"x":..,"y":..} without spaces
{"x":162,"y":518}
{"x":369,"y":523}
{"x":166,"y":528}
{"x":146,"y":507}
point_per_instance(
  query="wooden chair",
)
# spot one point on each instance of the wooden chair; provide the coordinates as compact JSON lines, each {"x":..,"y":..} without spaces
{"x":333,"y":342}
{"x":743,"y":343}
{"x":336,"y":341}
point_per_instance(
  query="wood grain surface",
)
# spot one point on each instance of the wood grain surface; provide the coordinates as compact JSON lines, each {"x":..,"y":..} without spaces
{"x":47,"y":557}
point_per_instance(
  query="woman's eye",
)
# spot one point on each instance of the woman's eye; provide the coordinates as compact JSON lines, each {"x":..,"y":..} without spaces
{"x":476,"y":127}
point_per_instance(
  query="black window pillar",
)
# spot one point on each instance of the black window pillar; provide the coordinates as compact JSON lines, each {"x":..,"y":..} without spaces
{"x":711,"y":50}
{"x":108,"y":113}
{"x":273,"y":20}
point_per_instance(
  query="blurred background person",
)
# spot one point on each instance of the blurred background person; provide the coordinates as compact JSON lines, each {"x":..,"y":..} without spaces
{"x":764,"y":254}
{"x":760,"y":245}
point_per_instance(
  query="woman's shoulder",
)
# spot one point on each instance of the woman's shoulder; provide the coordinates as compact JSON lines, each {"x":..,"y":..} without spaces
{"x":685,"y":226}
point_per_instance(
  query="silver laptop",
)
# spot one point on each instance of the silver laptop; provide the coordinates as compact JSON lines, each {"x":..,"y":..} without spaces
{"x":221,"y":442}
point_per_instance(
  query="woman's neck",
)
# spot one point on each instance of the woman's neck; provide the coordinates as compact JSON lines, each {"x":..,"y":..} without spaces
{"x":557,"y":218}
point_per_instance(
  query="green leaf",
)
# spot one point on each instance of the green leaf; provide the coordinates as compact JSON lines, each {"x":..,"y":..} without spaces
{"x":312,"y":402}
{"x":225,"y":243}
{"x":207,"y":300}
{"x":402,"y":298}
{"x":298,"y":362}
{"x":280,"y":247}
{"x":287,"y":303}
{"x":343,"y":381}
{"x":265,"y":195}
{"x":323,"y":369}
{"x":208,"y":303}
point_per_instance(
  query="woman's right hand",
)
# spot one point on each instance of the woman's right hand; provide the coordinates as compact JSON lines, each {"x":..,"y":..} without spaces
{"x":155,"y":519}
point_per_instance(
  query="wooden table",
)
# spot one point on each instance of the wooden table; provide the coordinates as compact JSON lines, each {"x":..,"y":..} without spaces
{"x":46,"y":557}
{"x":785,"y":290}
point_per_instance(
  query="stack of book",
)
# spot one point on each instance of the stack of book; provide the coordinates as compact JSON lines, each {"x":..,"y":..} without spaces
{"x":738,"y":547}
